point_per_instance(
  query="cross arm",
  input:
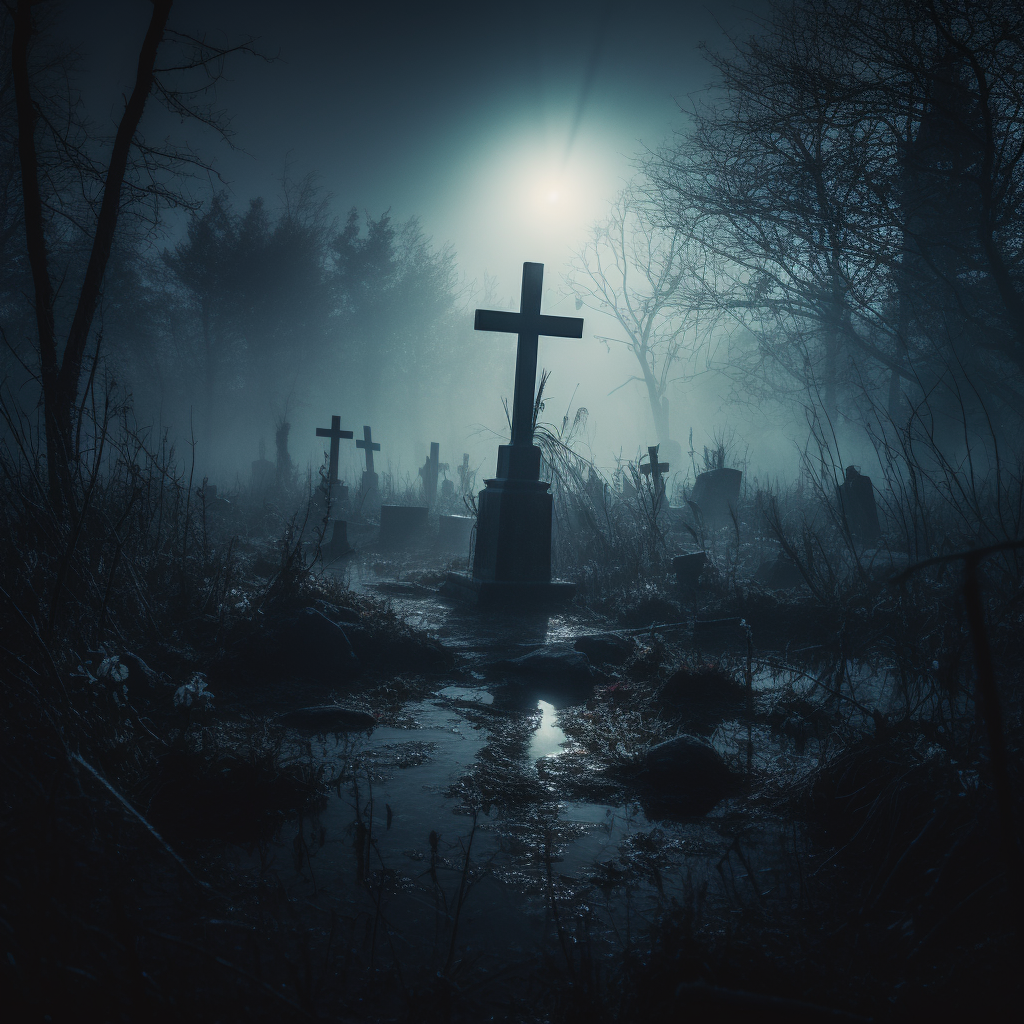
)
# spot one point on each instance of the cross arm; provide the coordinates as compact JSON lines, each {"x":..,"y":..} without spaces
{"x":508,"y":322}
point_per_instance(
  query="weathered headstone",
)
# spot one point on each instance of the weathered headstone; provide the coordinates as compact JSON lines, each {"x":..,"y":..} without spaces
{"x":428,"y":473}
{"x":512,"y":558}
{"x":717,"y":493}
{"x":338,"y":492}
{"x":467,"y":476}
{"x":857,"y":504}
{"x":453,"y":532}
{"x":369,"y":486}
{"x":402,"y":525}
{"x":447,"y":490}
{"x":263,"y":471}
{"x":285,"y":475}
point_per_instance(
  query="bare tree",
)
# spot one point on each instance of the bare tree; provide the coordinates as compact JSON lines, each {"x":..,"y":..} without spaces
{"x":135,"y":176}
{"x":650,"y":280}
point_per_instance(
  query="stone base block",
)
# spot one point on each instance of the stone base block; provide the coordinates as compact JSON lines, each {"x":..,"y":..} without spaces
{"x":402,"y":525}
{"x":513,"y":533}
{"x":522,"y":596}
{"x":453,"y":532}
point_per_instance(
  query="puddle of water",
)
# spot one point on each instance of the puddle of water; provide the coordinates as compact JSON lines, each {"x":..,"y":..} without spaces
{"x":468,"y":693}
{"x":548,"y":738}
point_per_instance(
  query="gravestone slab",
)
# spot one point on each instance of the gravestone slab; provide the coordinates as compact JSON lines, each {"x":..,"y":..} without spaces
{"x":453,"y":532}
{"x":688,"y":568}
{"x":856,"y":499}
{"x":715,"y":493}
{"x":402,"y":525}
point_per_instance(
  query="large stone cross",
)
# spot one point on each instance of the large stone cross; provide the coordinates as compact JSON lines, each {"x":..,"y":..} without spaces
{"x":529,"y":325}
{"x":368,"y":443}
{"x":335,"y":433}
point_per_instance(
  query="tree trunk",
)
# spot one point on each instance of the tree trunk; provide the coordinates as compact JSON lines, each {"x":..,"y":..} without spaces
{"x":60,"y":380}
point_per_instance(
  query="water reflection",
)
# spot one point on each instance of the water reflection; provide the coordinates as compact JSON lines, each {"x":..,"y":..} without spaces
{"x":548,"y":739}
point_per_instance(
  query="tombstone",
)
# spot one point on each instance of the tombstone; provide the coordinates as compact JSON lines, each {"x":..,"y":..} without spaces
{"x":335,"y":543}
{"x":338,"y":491}
{"x":467,"y":476}
{"x":512,"y":557}
{"x":447,"y":491}
{"x":402,"y":525}
{"x":654,"y":470}
{"x":715,"y":493}
{"x":285,"y":475}
{"x":628,"y":487}
{"x":369,"y":487}
{"x":263,"y":472}
{"x":454,"y":532}
{"x":428,"y":474}
{"x":856,"y":499}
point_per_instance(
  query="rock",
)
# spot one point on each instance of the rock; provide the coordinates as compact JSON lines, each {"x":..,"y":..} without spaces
{"x":781,"y":574}
{"x":686,"y":774}
{"x":551,"y":660}
{"x":606,"y":648}
{"x":328,"y":718}
{"x":337,"y":613}
{"x":704,"y":696}
{"x":689,"y":568}
{"x":302,"y":645}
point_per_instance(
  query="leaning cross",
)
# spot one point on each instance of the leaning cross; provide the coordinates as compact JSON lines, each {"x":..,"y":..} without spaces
{"x":368,"y":444}
{"x":529,"y":325}
{"x":655,"y":468}
{"x":335,"y":434}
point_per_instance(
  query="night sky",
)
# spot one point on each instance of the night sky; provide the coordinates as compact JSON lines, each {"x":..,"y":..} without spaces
{"x":505,"y":127}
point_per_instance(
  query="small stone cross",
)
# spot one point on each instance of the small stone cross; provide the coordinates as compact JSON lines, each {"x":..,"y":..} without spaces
{"x":335,"y":433}
{"x":654,"y":468}
{"x":368,"y":444}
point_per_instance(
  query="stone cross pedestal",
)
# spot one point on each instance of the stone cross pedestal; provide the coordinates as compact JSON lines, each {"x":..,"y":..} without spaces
{"x":512,"y":558}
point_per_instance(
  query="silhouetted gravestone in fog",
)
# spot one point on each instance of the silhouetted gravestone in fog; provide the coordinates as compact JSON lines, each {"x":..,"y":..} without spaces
{"x":402,"y":525}
{"x":717,"y":493}
{"x":857,"y":505}
{"x":369,"y":486}
{"x":467,"y":476}
{"x":447,"y":490}
{"x":654,"y":469}
{"x":284,"y":473}
{"x":338,"y":492}
{"x":428,"y":473}
{"x":512,"y":558}
{"x":263,"y":471}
